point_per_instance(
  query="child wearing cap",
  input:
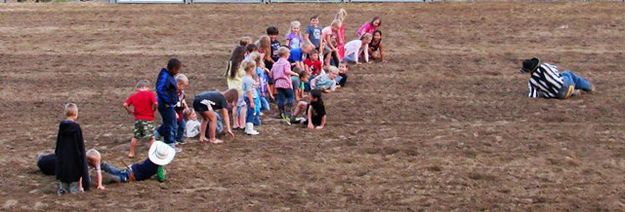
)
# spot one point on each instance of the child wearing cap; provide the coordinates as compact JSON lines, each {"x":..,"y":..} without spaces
{"x":143,"y":103}
{"x":160,"y":154}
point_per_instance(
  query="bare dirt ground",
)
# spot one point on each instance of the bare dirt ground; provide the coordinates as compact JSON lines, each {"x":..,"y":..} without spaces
{"x":444,"y":124}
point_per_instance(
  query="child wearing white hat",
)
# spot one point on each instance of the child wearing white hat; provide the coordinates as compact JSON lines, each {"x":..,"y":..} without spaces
{"x":160,"y":154}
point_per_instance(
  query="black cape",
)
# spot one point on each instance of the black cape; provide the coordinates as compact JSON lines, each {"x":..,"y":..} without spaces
{"x":71,"y":162}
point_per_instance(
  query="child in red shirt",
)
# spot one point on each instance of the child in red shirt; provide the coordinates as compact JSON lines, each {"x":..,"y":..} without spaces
{"x":312,"y":64}
{"x":144,"y":104}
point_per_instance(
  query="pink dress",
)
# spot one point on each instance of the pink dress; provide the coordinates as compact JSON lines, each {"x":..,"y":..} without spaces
{"x":340,"y":41}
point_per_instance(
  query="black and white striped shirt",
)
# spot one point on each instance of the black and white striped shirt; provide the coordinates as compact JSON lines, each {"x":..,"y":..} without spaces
{"x":546,"y":81}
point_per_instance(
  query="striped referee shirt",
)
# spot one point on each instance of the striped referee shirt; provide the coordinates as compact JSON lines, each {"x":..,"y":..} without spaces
{"x":546,"y":81}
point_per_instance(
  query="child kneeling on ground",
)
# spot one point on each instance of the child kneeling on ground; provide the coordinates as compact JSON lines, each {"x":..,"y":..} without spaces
{"x":315,"y":111}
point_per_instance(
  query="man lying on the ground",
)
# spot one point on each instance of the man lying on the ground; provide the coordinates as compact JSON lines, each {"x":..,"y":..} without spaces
{"x":547,"y":81}
{"x":47,"y":165}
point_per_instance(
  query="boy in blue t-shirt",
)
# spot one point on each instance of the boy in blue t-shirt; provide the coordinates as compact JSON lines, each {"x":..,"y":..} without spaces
{"x":313,"y":32}
{"x":297,"y":55}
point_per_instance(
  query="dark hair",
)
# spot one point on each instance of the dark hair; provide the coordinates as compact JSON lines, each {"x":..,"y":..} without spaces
{"x":316,"y":93}
{"x":173,"y":63}
{"x":376,"y":18}
{"x":314,"y":17}
{"x":297,"y":70}
{"x":373,"y":35}
{"x":303,"y":74}
{"x":272,"y":30}
{"x":314,"y":51}
{"x":251,"y":47}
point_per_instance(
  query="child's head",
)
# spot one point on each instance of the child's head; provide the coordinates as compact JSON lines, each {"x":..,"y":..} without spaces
{"x":182,"y":81}
{"x":314,"y":21}
{"x":264,"y":42}
{"x":297,"y":70}
{"x":314,"y":55}
{"x":142,"y":85}
{"x":245,"y":40}
{"x":257,"y":59}
{"x":174,"y":66}
{"x":273,"y":32}
{"x":315,"y":95}
{"x":366,"y":38}
{"x":93,"y":157}
{"x":335,"y":25}
{"x":231,"y":95}
{"x":190,"y":115}
{"x":376,"y":21}
{"x":304,"y":76}
{"x":307,"y":47}
{"x":71,"y":110}
{"x":249,"y":66}
{"x":333,"y":71}
{"x":251,"y":48}
{"x":377,"y":35}
{"x":341,"y":15}
{"x":284,"y":52}
{"x":295,"y":26}
{"x":343,"y":67}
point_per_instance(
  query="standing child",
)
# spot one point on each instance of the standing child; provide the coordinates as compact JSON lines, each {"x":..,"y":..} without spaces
{"x":340,"y":33}
{"x":237,"y":55}
{"x":273,"y":33}
{"x":313,"y":32}
{"x":281,"y":72}
{"x":234,"y":80}
{"x":369,"y":27}
{"x":143,"y":103}
{"x":181,"y":107}
{"x":376,"y":51}
{"x":264,"y":48}
{"x":71,"y":164}
{"x":294,"y":38}
{"x":263,"y":85}
{"x":250,"y":96}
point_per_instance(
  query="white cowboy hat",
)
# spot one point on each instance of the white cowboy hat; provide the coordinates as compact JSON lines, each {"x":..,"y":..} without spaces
{"x":161,"y":153}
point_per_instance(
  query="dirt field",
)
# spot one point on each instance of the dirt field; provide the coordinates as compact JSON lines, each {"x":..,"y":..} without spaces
{"x":444,"y":124}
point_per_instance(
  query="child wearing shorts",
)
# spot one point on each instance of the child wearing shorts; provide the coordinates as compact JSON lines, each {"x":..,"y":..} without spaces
{"x":143,"y":103}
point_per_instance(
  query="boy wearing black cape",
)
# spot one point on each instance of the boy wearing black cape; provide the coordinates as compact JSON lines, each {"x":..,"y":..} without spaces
{"x":71,"y":164}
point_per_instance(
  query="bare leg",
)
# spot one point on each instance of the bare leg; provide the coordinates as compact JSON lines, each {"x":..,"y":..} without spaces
{"x":242,"y":117}
{"x":133,"y":147}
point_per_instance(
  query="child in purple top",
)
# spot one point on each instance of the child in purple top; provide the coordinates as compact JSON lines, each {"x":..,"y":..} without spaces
{"x":294,"y":38}
{"x":369,"y":27}
{"x":281,"y":72}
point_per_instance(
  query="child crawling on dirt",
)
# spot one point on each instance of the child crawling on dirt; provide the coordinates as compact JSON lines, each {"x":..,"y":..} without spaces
{"x":143,"y":103}
{"x":160,"y":154}
{"x":315,"y":111}
{"x":71,"y":162}
{"x":207,"y":104}
{"x":47,"y":165}
{"x":326,"y":82}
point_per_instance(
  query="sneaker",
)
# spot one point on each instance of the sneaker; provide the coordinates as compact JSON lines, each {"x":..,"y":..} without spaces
{"x":157,"y":136}
{"x":180,"y":142}
{"x":249,"y":129}
{"x":286,"y":119}
{"x":161,"y":174}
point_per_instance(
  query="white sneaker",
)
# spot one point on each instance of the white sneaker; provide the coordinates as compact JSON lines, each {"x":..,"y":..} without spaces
{"x":249,"y":129}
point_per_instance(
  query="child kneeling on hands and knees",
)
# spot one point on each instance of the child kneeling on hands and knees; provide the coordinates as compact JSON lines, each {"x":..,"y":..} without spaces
{"x":207,"y":104}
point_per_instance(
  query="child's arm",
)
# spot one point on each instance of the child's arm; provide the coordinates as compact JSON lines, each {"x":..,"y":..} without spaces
{"x":80,"y":188}
{"x":99,"y":177}
{"x":251,"y":98}
{"x":226,"y":116}
{"x":127,"y":107}
{"x":323,"y":123}
{"x":306,"y":68}
{"x":366,"y":52}
{"x":288,"y":71}
{"x":309,"y":118}
{"x":381,"y":53}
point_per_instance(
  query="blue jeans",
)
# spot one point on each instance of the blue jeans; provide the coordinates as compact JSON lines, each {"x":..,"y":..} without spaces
{"x":119,"y":175}
{"x":252,"y":116}
{"x":169,"y":126}
{"x":285,"y":99}
{"x":180,"y":129}
{"x":264,"y":104}
{"x":571,"y":79}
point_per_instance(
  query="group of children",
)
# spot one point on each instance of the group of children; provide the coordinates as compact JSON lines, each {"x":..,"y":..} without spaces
{"x":293,"y":75}
{"x":297,"y":72}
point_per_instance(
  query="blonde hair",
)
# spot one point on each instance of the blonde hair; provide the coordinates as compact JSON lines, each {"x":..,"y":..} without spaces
{"x":295,"y":24}
{"x":336,"y":23}
{"x":283,"y":51}
{"x":366,"y":36}
{"x":341,"y":15}
{"x":182,"y":78}
{"x":142,"y":84}
{"x":71,"y":109}
{"x":333,"y":69}
{"x":257,"y":59}
{"x":248,"y":65}
{"x":93,"y":153}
